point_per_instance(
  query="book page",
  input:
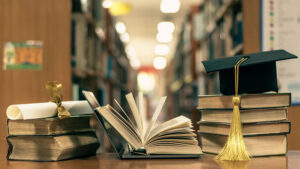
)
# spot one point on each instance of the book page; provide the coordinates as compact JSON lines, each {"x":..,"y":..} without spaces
{"x":136,"y":113}
{"x":125,"y":122}
{"x":167,"y":141}
{"x":141,"y":104}
{"x":179,"y":121}
{"x":183,"y":134}
{"x":174,"y":149}
{"x":119,"y":126}
{"x":126,"y":115}
{"x":155,"y":116}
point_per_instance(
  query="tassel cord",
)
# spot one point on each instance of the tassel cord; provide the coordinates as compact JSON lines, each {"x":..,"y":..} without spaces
{"x":235,"y":148}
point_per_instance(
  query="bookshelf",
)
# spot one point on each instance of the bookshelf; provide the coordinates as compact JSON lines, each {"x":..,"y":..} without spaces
{"x":211,"y":29}
{"x":99,"y":60}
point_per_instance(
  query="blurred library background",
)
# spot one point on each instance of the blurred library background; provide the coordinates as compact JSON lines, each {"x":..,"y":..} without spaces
{"x":113,"y":47}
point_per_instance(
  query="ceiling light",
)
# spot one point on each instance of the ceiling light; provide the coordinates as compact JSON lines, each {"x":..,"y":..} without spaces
{"x":169,"y":6}
{"x":84,"y":2}
{"x":166,"y":27}
{"x":164,"y":37}
{"x":84,"y":5}
{"x":130,"y":50}
{"x":107,"y":3}
{"x":100,"y":32}
{"x":161,"y":49}
{"x":125,"y":37}
{"x":146,"y":81}
{"x":120,"y":27}
{"x":135,"y":63}
{"x":159,"y":62}
{"x":120,"y":8}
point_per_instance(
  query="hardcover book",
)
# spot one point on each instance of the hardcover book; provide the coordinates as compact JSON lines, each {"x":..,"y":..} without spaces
{"x":265,"y":100}
{"x":257,"y":145}
{"x":49,"y":126}
{"x":247,"y":115}
{"x":174,"y":137}
{"x":281,"y":127}
{"x":52,"y":147}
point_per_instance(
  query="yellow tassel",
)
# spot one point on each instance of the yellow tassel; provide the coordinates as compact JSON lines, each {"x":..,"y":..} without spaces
{"x":235,"y":148}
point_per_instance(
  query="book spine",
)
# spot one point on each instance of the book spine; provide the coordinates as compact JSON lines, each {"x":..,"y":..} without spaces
{"x":10,"y":148}
{"x":244,"y":135}
{"x":90,"y":131}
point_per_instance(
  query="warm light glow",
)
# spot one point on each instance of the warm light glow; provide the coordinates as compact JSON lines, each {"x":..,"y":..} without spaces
{"x":161,"y":49}
{"x":169,"y":6}
{"x":125,"y":37}
{"x":120,"y":27}
{"x":159,"y":63}
{"x":146,"y":81}
{"x":131,"y":54}
{"x":119,"y":8}
{"x":166,"y":27}
{"x":130,"y":50}
{"x":107,"y":3}
{"x":83,"y":2}
{"x":164,"y":37}
{"x":135,"y":63}
{"x":100,"y":32}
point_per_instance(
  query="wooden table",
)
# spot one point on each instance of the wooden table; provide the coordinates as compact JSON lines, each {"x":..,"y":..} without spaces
{"x":110,"y":161}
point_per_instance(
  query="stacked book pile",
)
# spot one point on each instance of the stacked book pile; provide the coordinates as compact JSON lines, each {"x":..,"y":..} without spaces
{"x":51,"y":139}
{"x":264,"y":122}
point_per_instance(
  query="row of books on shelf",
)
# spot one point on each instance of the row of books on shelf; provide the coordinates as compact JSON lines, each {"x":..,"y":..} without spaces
{"x":225,"y":39}
{"x":91,"y":55}
{"x":210,"y":14}
{"x":104,"y":91}
{"x":96,"y":48}
{"x":91,"y":8}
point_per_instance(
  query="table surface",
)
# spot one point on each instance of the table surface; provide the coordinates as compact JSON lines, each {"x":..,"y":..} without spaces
{"x":110,"y":161}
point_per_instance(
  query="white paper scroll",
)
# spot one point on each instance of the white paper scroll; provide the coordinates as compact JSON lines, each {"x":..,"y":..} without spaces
{"x":44,"y":110}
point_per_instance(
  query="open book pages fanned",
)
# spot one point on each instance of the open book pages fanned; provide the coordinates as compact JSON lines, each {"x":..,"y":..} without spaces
{"x":174,"y":136}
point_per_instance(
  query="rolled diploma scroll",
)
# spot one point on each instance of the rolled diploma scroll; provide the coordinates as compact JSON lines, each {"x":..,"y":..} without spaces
{"x":44,"y":110}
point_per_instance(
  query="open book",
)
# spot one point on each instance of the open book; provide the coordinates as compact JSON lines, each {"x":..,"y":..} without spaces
{"x":175,"y":136}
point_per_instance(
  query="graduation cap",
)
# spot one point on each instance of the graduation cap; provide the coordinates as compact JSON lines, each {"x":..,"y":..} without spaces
{"x":256,"y":75}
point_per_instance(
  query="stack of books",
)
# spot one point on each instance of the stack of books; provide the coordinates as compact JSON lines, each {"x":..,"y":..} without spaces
{"x":264,"y":122}
{"x":51,"y":139}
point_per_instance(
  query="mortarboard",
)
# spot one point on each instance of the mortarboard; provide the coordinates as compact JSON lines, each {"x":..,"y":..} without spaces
{"x":257,"y":73}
